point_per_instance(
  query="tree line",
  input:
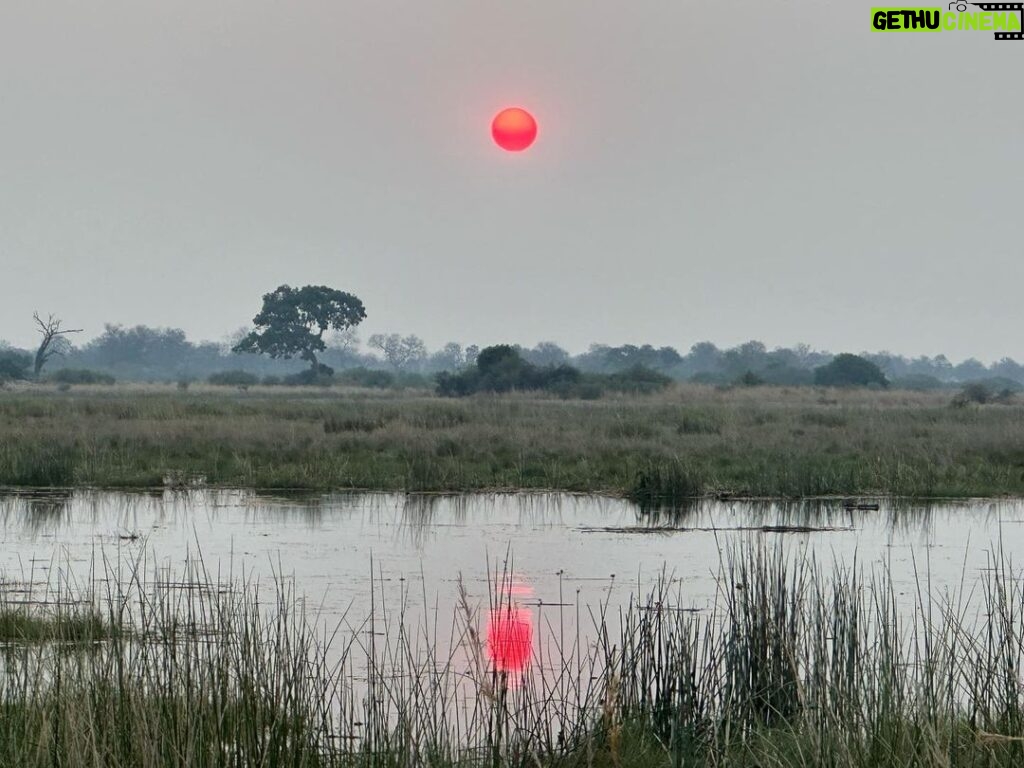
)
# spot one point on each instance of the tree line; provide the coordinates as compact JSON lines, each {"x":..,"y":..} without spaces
{"x":310,"y":333}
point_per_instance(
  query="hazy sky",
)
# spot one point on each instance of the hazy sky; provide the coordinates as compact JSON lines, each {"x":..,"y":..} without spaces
{"x":753,"y":169}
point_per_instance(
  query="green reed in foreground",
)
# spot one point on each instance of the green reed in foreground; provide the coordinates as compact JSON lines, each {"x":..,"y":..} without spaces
{"x":794,"y":666}
{"x":685,"y":442}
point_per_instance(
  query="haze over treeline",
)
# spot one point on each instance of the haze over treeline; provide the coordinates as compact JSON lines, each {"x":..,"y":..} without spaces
{"x":779,"y":171}
{"x":143,"y":353}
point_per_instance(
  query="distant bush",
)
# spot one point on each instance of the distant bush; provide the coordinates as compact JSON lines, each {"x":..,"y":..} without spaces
{"x":321,"y":377}
{"x":750,"y":379}
{"x":786,"y":376}
{"x":918,"y":382}
{"x":80,"y":376}
{"x":457,"y":384}
{"x":502,"y":369}
{"x":367,"y":377}
{"x":708,"y":378}
{"x":586,"y":390}
{"x":233,"y":379}
{"x":410,"y":380}
{"x":976,"y":393}
{"x":848,"y":370}
{"x":553,"y":378}
{"x":638,"y":379}
{"x":984,"y":392}
{"x":271,"y":381}
{"x":1000,"y":383}
{"x":14,"y":365}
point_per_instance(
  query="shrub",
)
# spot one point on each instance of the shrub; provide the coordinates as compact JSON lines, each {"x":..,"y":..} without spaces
{"x":497,"y":356}
{"x":14,"y":365}
{"x":458,"y":384}
{"x":233,"y":379}
{"x":502,"y":369}
{"x":587,"y":390}
{"x":750,"y":379}
{"x":499,"y":368}
{"x":638,"y":379}
{"x":708,"y":378}
{"x":410,"y":380}
{"x":80,"y":376}
{"x":1000,"y":383}
{"x":982,"y":392}
{"x":552,"y":378}
{"x":848,"y":370}
{"x":271,"y":381}
{"x":918,"y":382}
{"x":323,"y":376}
{"x":786,"y":376}
{"x":976,"y":393}
{"x":366,"y":377}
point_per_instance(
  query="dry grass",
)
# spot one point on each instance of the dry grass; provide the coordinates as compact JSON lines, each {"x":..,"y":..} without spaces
{"x":687,"y":440}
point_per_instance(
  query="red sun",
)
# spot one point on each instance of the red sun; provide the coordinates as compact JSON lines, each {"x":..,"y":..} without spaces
{"x":514,"y":129}
{"x":510,"y":639}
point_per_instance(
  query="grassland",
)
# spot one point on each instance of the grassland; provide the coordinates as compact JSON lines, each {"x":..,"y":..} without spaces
{"x":687,"y":441}
{"x":794,"y":667}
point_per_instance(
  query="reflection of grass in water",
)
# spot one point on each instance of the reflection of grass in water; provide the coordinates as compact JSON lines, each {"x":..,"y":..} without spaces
{"x":36,"y":510}
{"x":795,"y":666}
{"x":688,"y":440}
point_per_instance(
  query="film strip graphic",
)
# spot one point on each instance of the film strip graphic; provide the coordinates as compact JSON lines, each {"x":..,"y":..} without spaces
{"x":1019,"y":7}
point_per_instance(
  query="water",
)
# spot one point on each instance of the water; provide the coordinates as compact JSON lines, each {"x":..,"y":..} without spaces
{"x":563,"y":553}
{"x":557,"y":562}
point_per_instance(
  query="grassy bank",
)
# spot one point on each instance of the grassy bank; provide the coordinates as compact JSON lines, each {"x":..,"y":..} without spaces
{"x":688,"y":440}
{"x":794,"y":667}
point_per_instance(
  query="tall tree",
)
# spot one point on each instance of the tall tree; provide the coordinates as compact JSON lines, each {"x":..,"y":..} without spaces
{"x":53,"y":341}
{"x":293,"y":322}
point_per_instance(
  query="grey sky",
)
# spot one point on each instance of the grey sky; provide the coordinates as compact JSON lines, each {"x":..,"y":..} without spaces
{"x":769,"y":170}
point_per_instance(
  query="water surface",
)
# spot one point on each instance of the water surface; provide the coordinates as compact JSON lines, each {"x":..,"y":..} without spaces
{"x":561,"y":549}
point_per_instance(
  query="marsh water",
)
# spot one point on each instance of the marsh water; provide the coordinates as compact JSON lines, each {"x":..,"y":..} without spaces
{"x":430,"y":597}
{"x":562,"y":555}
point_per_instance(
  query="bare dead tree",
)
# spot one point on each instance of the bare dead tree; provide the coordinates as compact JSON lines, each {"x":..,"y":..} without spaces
{"x":53,"y":341}
{"x":346,"y":340}
{"x":399,"y":351}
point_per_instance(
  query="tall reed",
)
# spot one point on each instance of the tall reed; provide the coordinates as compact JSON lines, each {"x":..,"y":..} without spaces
{"x":795,"y":664}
